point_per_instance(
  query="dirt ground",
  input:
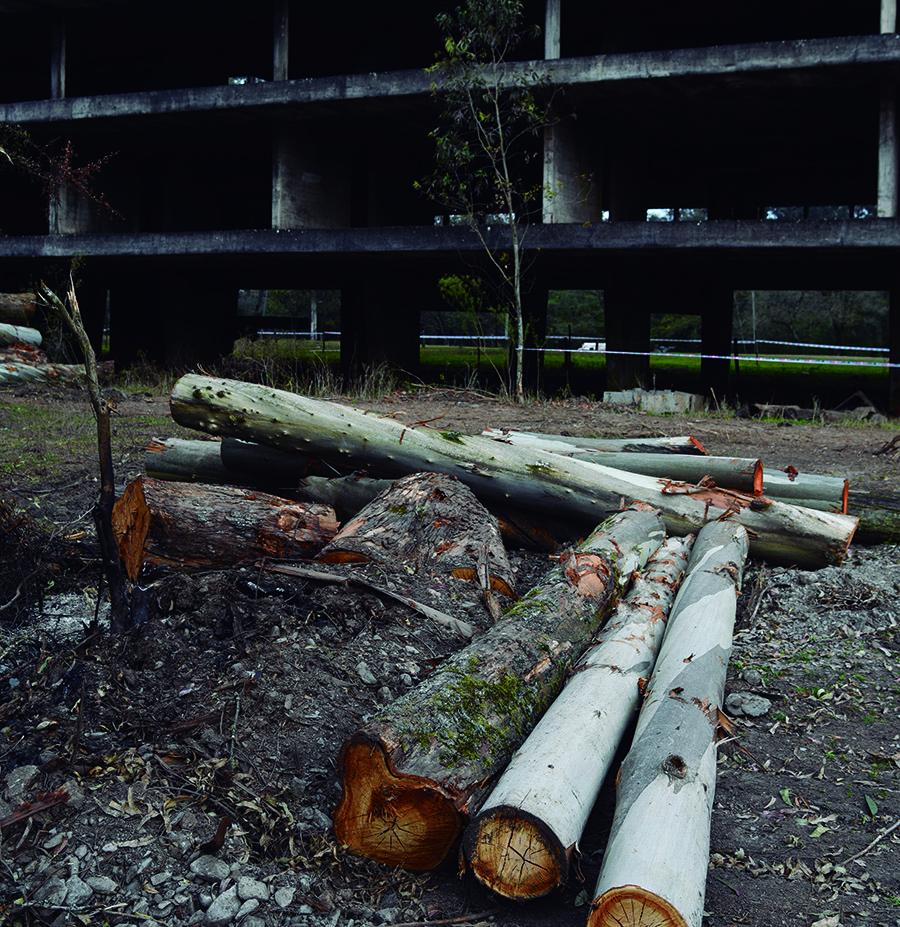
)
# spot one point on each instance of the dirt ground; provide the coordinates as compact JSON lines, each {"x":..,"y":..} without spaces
{"x":232,"y":702}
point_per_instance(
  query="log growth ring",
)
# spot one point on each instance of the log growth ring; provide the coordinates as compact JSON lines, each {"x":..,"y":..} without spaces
{"x":393,"y":818}
{"x":633,"y":906}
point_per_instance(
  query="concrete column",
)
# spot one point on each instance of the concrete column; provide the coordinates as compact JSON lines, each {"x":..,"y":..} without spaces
{"x":552,"y":29}
{"x":534,"y":314}
{"x":716,"y":333}
{"x":311,"y":178}
{"x":893,"y":401}
{"x":280,"y":48}
{"x":887,"y":152}
{"x":380,"y":324}
{"x":888,"y":16}
{"x":571,"y":186}
{"x":58,"y":60}
{"x":627,"y":310}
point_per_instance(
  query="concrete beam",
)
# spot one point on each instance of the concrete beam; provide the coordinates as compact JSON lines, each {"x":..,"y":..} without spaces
{"x":280,"y":40}
{"x":871,"y":238}
{"x":818,"y":60}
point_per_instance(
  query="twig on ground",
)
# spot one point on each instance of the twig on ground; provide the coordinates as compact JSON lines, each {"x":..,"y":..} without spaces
{"x":877,"y":840}
{"x":459,"y":919}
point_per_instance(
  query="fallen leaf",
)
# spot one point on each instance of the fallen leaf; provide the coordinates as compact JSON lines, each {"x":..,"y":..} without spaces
{"x":786,"y":797}
{"x":871,"y":805}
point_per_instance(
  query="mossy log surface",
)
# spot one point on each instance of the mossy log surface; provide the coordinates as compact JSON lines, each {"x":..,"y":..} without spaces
{"x":433,"y":522}
{"x":657,"y":857}
{"x":744,"y":473}
{"x":521,"y":842}
{"x":189,"y":526}
{"x":413,"y":774}
{"x":499,"y":474}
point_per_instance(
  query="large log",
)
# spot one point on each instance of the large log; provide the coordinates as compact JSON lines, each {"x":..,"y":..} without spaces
{"x":433,"y":521}
{"x":879,"y":516}
{"x":683,"y":444}
{"x":498,"y":473}
{"x":656,"y":859}
{"x":521,"y":842}
{"x":744,"y":473}
{"x":796,"y":487}
{"x":345,"y":494}
{"x":225,"y":461}
{"x":19,"y":334}
{"x":21,"y":353}
{"x":17,"y":308}
{"x":190,"y":526}
{"x":412,"y":775}
{"x":14,"y":372}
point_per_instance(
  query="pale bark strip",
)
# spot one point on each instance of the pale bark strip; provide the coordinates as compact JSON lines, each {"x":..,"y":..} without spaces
{"x":189,"y":526}
{"x":431,"y":522}
{"x":654,"y":868}
{"x":521,"y":842}
{"x":778,"y":485}
{"x":225,"y":461}
{"x":19,"y":334}
{"x":683,"y":444}
{"x":744,"y":473}
{"x":412,"y":775}
{"x":498,"y":473}
{"x":11,"y":372}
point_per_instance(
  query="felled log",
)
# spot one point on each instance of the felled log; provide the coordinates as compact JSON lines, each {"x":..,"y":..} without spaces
{"x":684,"y":444}
{"x":795,"y":487}
{"x":225,"y":461}
{"x":879,"y":516}
{"x":21,"y":353}
{"x":498,"y":473}
{"x":190,"y":526}
{"x":521,"y":842}
{"x":430,"y":519}
{"x":19,"y":334}
{"x":14,"y":372}
{"x":345,"y":494}
{"x":656,"y":860}
{"x":412,"y":775}
{"x":744,"y":473}
{"x":17,"y":308}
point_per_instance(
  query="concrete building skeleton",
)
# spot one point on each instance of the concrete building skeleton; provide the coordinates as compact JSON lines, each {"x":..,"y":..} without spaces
{"x":303,"y":179}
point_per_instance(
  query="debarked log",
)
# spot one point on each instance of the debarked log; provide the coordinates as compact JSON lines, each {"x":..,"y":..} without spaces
{"x":498,"y":473}
{"x":656,"y":860}
{"x":681,"y":444}
{"x":744,"y":473}
{"x":879,"y":516}
{"x":433,"y":522}
{"x":19,"y":334}
{"x":189,"y":526}
{"x":412,"y":775}
{"x":225,"y":461}
{"x":795,"y":487}
{"x":15,"y":372}
{"x":522,"y":840}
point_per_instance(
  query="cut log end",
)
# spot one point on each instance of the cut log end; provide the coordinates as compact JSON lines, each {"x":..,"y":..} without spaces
{"x":845,"y":498}
{"x":698,"y":445}
{"x":758,"y":478}
{"x":516,"y":855}
{"x":394,"y":819}
{"x":131,"y":523}
{"x":633,"y":906}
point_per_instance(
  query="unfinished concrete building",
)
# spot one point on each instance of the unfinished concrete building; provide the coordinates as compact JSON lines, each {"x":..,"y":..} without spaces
{"x":274,"y":145}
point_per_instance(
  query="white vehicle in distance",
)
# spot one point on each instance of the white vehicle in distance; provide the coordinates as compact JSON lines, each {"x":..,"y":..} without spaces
{"x":593,"y":346}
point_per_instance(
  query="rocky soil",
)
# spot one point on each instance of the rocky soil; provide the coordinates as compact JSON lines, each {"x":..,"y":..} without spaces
{"x":198,"y":756}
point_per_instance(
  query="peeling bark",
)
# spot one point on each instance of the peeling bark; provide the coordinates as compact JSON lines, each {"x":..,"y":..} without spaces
{"x":654,"y":868}
{"x":522,"y":840}
{"x":413,"y":774}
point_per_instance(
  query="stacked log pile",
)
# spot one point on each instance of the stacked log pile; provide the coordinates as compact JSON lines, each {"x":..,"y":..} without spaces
{"x":503,"y":749}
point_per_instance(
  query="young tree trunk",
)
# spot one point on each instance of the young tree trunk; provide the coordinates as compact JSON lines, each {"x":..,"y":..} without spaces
{"x":743,"y":473}
{"x":431,"y":520}
{"x":499,"y":474}
{"x":225,"y":461}
{"x":18,"y":334}
{"x":17,"y":308}
{"x":656,"y":860}
{"x":189,"y":526}
{"x":686,"y":444}
{"x":521,"y":842}
{"x":412,"y":775}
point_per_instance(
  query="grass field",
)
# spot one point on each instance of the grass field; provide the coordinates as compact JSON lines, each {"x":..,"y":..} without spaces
{"x":755,"y":381}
